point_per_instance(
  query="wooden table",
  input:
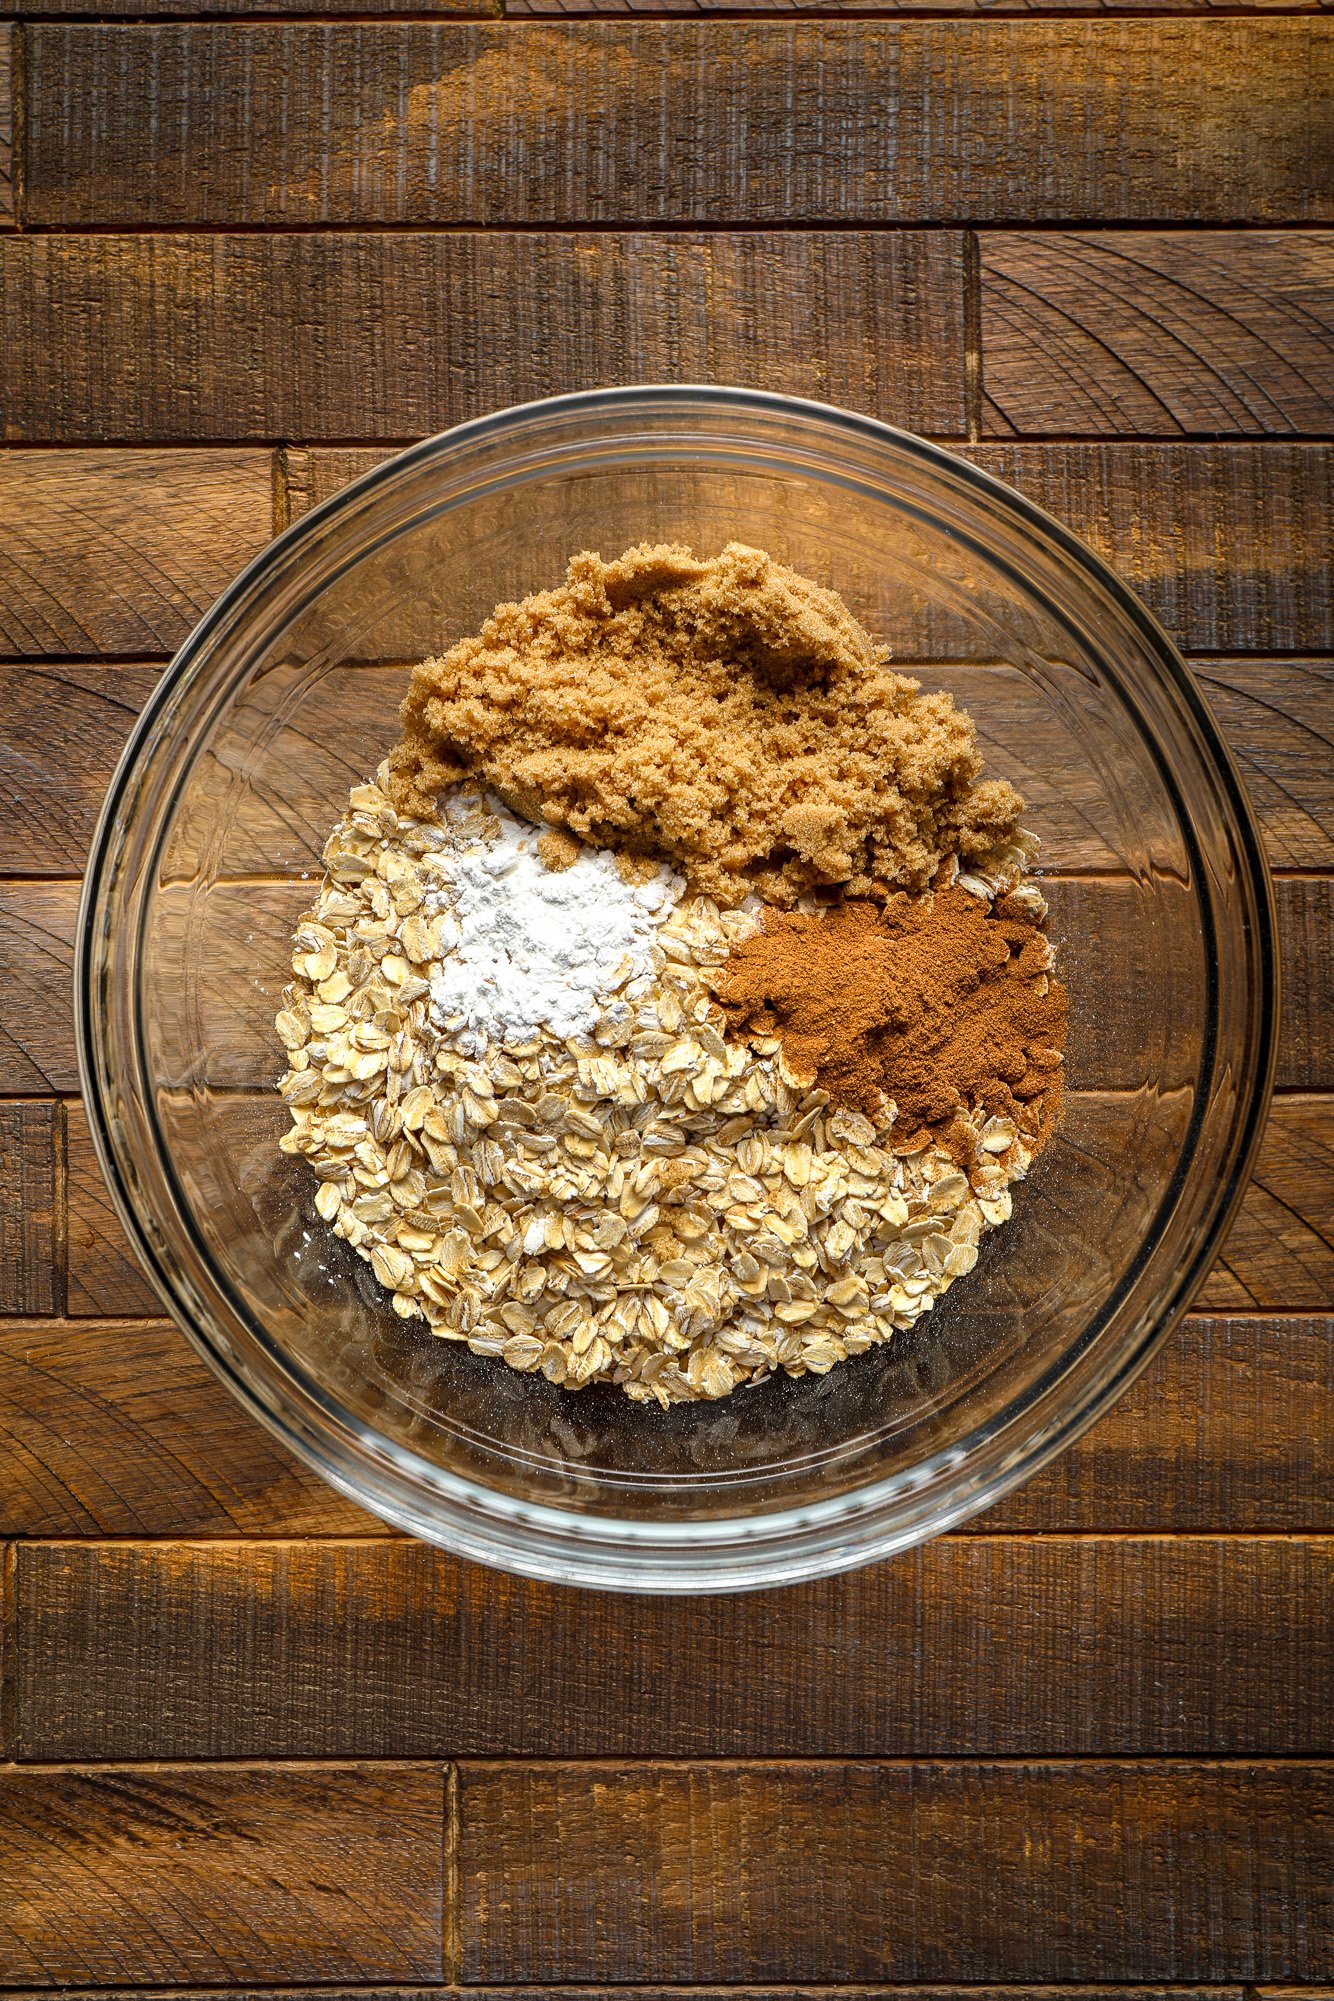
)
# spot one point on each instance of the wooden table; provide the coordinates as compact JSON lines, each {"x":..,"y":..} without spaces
{"x":253,"y":1740}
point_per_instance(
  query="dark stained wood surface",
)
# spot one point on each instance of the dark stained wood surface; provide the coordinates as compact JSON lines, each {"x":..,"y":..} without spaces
{"x":1120,"y":1991}
{"x":1189,"y":333}
{"x":1220,"y":541}
{"x":1280,"y":1249}
{"x":727,"y":122}
{"x":225,"y":1650}
{"x":29,"y":1252}
{"x":66,"y":726}
{"x":123,"y":552}
{"x":1103,"y":913}
{"x":734,"y":1872}
{"x":282,"y":336}
{"x":228,"y":1874}
{"x":1079,"y":1750}
{"x":7,"y":44}
{"x":102,"y":1275}
{"x":1278,"y":718}
{"x":1278,"y":1254}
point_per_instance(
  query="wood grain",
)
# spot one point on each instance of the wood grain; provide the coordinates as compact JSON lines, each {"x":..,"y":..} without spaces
{"x":393,"y":1649}
{"x":1077,"y":1871}
{"x":122,"y":552}
{"x":1281,"y":1246}
{"x":118,"y":1428}
{"x":1306,"y":1038}
{"x":1121,"y":1992}
{"x":64,"y":728}
{"x":1223,"y":542}
{"x":1227,"y":544}
{"x":1229,"y":1427}
{"x":1278,"y":719}
{"x":713,"y":122}
{"x":347,"y":336}
{"x":7,"y":39}
{"x":28,"y":1242}
{"x":37,"y":925}
{"x":187,"y":1876}
{"x":523,"y":9}
{"x":103,"y":1276}
{"x":118,"y":10}
{"x":1184,"y":334}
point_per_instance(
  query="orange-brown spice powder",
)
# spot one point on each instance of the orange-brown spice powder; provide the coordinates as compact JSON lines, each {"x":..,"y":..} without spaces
{"x":938,"y":1002}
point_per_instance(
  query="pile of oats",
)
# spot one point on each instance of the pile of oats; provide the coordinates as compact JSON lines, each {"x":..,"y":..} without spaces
{"x":651,"y":1204}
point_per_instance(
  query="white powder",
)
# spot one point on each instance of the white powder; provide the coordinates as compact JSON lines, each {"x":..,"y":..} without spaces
{"x":523,"y":946}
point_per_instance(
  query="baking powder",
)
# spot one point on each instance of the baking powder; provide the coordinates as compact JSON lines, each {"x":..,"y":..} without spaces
{"x":523,"y":946}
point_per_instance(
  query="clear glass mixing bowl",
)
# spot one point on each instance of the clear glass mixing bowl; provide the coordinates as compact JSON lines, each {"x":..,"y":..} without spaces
{"x":1161,"y":908}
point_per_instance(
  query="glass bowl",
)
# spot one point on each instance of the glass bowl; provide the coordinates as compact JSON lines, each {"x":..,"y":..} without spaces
{"x":208,"y":849}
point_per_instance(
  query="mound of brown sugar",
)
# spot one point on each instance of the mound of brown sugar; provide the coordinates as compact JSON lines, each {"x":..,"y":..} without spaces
{"x":727,"y":716}
{"x":938,"y":1002}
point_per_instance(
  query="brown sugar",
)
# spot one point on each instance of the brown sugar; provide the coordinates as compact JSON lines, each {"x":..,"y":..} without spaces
{"x":938,"y":1002}
{"x":558,"y":849}
{"x":727,"y":716}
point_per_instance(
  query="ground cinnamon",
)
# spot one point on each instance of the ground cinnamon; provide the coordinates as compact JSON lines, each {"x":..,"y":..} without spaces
{"x":942,"y":1003}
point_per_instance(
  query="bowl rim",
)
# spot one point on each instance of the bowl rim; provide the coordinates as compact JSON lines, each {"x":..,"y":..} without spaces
{"x":727,"y":1552}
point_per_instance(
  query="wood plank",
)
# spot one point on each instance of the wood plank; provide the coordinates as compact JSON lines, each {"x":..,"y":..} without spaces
{"x":1280,"y":1248}
{"x":1228,"y":1428}
{"x":1158,"y":1992}
{"x":116,"y":10}
{"x":122,"y":552}
{"x":1278,"y":719}
{"x":103,"y":1275}
{"x":8,"y":37}
{"x":526,"y":9}
{"x":976,"y":1871}
{"x":309,"y":477}
{"x":285,"y":336}
{"x":1226,"y":544}
{"x":1207,"y":334}
{"x":222,"y":1875}
{"x":1306,"y":1036}
{"x":395,"y":1649}
{"x":119,"y":1429}
{"x":37,"y":926}
{"x":499,"y":124}
{"x":1094,"y":923}
{"x":64,"y":728}
{"x":1276,"y":716}
{"x":28,"y":1239}
{"x":1278,"y":1256}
